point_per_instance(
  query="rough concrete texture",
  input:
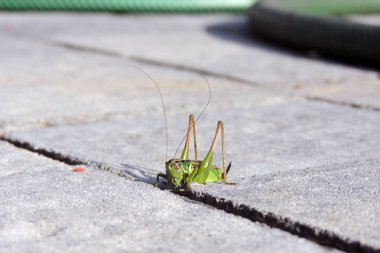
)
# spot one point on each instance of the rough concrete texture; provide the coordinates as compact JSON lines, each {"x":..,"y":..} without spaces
{"x":343,"y":199}
{"x":14,"y":161}
{"x":171,"y":42}
{"x":43,"y":85}
{"x":259,"y":139}
{"x":272,"y":140}
{"x":56,"y":210}
{"x":183,"y":40}
{"x":302,"y":134}
{"x":355,"y":92}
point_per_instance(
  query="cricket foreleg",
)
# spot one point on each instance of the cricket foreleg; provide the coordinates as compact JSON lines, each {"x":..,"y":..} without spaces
{"x":158,"y":179}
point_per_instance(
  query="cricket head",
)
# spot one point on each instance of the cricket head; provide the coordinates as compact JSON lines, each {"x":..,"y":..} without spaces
{"x":174,"y":172}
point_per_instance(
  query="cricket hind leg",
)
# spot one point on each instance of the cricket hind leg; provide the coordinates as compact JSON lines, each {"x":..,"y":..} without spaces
{"x":220,"y":129}
{"x":201,"y":174}
{"x":186,"y":151}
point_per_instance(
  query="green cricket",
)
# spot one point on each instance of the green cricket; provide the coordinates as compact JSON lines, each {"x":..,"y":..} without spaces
{"x":180,"y":173}
{"x":184,"y":171}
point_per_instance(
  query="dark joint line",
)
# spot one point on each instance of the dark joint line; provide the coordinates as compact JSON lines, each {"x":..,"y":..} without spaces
{"x":47,"y":153}
{"x":320,"y":236}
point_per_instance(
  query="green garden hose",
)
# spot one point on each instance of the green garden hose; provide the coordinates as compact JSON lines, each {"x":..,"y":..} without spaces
{"x":131,"y":6}
{"x":320,"y":25}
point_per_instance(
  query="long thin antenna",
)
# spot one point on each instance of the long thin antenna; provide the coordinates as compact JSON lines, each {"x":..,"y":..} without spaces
{"x":191,"y":127}
{"x":163,"y":108}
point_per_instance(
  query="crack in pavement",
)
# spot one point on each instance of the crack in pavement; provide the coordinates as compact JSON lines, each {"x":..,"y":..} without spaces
{"x":343,"y":103}
{"x":320,"y":236}
{"x":158,"y":63}
{"x":147,"y":61}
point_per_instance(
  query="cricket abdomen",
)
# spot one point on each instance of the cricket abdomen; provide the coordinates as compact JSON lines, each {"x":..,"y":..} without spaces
{"x":214,"y":174}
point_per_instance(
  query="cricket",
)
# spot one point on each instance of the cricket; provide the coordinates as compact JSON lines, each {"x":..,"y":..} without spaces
{"x":184,"y":171}
{"x":181,"y":172}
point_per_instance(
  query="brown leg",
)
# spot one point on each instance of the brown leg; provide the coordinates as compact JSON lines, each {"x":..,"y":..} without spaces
{"x":185,"y":152}
{"x":220,"y":127}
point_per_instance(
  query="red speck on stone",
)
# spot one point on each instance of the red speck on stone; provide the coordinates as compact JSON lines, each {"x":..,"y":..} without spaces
{"x":79,"y":170}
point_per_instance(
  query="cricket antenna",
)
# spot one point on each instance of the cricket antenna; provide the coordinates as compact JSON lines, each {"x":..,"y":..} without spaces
{"x":163,"y":108}
{"x":191,"y":127}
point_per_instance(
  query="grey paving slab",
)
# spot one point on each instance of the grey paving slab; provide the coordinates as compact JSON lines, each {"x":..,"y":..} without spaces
{"x":343,"y":199}
{"x":263,"y":141}
{"x":57,"y":210}
{"x":218,"y":43}
{"x":110,"y":114}
{"x":17,"y":161}
{"x":359,"y":92}
{"x":42,"y":85}
{"x":260,"y":139}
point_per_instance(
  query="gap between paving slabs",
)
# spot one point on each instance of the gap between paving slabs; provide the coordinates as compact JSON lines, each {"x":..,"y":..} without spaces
{"x":295,"y":111}
{"x":238,"y":80}
{"x":275,"y":87}
{"x":324,"y":238}
{"x":64,"y":157}
{"x":321,"y":236}
{"x":60,"y":210}
{"x":176,"y":34}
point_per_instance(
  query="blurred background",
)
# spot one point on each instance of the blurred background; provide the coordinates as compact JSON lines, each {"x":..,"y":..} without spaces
{"x":344,"y":29}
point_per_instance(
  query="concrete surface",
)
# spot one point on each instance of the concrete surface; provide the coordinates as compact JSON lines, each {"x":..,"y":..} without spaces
{"x":202,"y":43}
{"x":344,"y":198}
{"x":309,"y":135}
{"x":46,"y":207}
{"x":302,"y":133}
{"x":182,"y":40}
{"x":75,"y":87}
{"x":106,"y":88}
{"x":357,"y":92}
{"x":260,"y":139}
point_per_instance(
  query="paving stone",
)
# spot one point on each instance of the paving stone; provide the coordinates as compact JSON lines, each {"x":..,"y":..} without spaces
{"x":42,"y":85}
{"x":359,"y":92}
{"x":260,"y":139}
{"x":218,"y":37}
{"x":343,"y":199}
{"x":17,"y":161}
{"x":313,"y":162}
{"x":58,"y":210}
{"x":264,"y":141}
{"x":200,"y":42}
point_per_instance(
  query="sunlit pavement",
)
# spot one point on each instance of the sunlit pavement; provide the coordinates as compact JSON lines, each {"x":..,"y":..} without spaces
{"x":83,"y":138}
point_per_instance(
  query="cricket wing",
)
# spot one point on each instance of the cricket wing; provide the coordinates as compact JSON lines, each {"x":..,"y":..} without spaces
{"x":204,"y":169}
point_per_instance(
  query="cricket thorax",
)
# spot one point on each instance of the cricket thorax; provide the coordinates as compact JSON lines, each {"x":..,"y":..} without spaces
{"x":174,"y":172}
{"x":177,"y":170}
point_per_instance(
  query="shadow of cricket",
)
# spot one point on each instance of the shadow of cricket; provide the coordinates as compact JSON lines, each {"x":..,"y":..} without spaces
{"x":139,"y":173}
